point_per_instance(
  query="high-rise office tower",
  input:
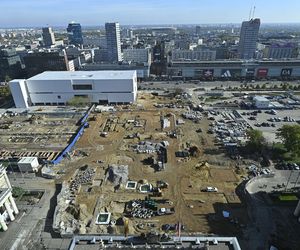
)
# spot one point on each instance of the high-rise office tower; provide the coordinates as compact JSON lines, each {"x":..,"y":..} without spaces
{"x":75,"y":33}
{"x":48,"y":36}
{"x":38,"y":62}
{"x":248,"y":38}
{"x":113,"y":40}
{"x":10,"y":64}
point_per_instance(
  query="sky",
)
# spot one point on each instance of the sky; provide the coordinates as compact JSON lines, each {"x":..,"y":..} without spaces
{"x":28,"y":13}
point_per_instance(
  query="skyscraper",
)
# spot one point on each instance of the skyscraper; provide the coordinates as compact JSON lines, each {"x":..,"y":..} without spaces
{"x":48,"y":36}
{"x":113,"y":39}
{"x":39,"y":62}
{"x":75,"y":33}
{"x":248,"y":38}
{"x":10,"y":64}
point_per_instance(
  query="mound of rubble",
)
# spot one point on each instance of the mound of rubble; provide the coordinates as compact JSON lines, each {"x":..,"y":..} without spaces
{"x":118,"y":174}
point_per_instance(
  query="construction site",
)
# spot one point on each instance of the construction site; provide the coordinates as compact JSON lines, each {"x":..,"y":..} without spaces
{"x":149,"y":167}
{"x":40,"y":133}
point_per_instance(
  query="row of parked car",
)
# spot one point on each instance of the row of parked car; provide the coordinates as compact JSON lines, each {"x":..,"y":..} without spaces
{"x":253,"y":113}
{"x":256,"y":171}
{"x":284,"y":119}
{"x":288,"y":166}
{"x":264,"y":124}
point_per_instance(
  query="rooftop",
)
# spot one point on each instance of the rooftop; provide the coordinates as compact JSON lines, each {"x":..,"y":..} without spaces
{"x":80,"y":75}
{"x":27,"y":159}
{"x":184,"y":242}
{"x":260,"y":99}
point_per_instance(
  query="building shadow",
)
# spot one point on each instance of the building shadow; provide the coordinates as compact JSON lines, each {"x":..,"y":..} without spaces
{"x":50,"y":215}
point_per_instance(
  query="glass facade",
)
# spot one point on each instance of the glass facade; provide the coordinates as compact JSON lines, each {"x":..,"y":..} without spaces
{"x":75,"y":34}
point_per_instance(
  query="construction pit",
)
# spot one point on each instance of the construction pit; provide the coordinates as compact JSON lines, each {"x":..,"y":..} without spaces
{"x":139,"y":181}
{"x":40,"y":134}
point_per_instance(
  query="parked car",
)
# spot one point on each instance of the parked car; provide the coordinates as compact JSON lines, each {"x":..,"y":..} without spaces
{"x":171,"y":227}
{"x":165,"y":211}
{"x":210,"y":189}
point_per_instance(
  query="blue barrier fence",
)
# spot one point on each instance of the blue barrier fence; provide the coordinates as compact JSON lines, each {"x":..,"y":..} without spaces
{"x":83,"y":124}
{"x":71,"y":145}
{"x":84,"y":118}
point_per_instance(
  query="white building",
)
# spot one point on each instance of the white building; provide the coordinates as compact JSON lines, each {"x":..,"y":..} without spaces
{"x":137,"y":55}
{"x":58,"y":87}
{"x":261,"y":102}
{"x":8,"y":207}
{"x":28,"y":164}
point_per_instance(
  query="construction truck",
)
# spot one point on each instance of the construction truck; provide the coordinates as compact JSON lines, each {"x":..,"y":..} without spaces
{"x":165,"y":211}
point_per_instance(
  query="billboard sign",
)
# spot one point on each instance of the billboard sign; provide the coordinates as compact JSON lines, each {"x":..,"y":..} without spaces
{"x":286,"y":72}
{"x":231,"y":73}
{"x":262,"y":73}
{"x":250,"y":72}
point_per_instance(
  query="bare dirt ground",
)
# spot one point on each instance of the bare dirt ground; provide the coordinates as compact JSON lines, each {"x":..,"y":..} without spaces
{"x":198,"y":211}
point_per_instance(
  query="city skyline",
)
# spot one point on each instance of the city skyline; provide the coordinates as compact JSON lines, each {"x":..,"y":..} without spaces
{"x":33,"y":13}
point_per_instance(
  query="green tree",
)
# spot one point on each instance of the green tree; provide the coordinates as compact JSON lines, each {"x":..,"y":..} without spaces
{"x":18,"y":192}
{"x":178,"y":91}
{"x":290,"y":136}
{"x":256,"y":140}
{"x":79,"y":101}
{"x":264,"y":86}
{"x":7,"y":78}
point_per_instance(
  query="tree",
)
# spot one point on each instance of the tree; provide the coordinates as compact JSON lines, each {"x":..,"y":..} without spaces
{"x":178,"y":91}
{"x":290,"y":136}
{"x":79,"y":101}
{"x":256,"y":140}
{"x":7,"y":78}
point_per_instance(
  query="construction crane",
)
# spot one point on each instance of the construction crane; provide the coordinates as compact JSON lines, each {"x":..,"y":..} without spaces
{"x":252,"y":12}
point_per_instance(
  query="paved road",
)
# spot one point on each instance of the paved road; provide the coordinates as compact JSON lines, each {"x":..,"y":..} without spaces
{"x":261,"y":213}
{"x":290,"y":179}
{"x":174,"y":84}
{"x":19,"y":231}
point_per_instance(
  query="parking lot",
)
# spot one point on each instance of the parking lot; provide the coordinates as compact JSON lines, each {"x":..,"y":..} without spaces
{"x":267,"y":123}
